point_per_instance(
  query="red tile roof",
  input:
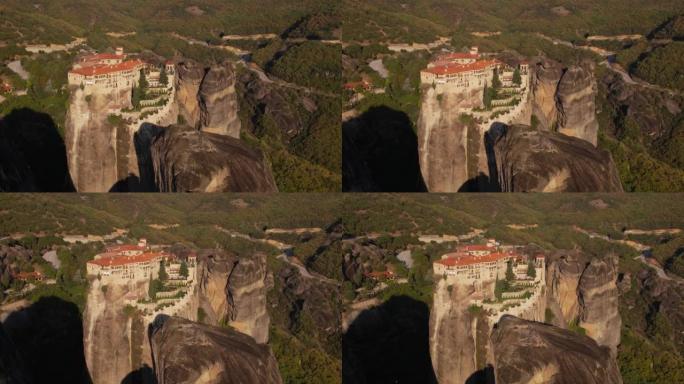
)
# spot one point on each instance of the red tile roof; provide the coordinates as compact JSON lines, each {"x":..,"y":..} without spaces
{"x":101,"y":69}
{"x":451,"y":69}
{"x":28,"y":275}
{"x":124,"y":260}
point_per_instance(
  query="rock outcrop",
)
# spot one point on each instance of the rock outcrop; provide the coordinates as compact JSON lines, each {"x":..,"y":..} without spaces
{"x":530,"y":160}
{"x":108,"y":333}
{"x":576,"y":103}
{"x":445,"y":138}
{"x":92,"y":143}
{"x":598,"y":302}
{"x":232,"y":291}
{"x":187,"y":160}
{"x":564,"y":99}
{"x":526,"y":352}
{"x":207,"y":99}
{"x":583,"y":291}
{"x":186,"y":352}
{"x":458,"y":345}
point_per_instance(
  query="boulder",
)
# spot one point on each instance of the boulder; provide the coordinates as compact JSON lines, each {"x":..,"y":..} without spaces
{"x":187,"y":160}
{"x":527,"y":352}
{"x":523,"y":159}
{"x":186,"y":352}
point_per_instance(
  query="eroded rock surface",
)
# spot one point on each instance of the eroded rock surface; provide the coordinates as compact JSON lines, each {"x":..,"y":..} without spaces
{"x":564,"y":99}
{"x":233,"y":291}
{"x":443,"y":138}
{"x":527,"y":352}
{"x":529,"y":160}
{"x":186,"y":352}
{"x":187,"y":160}
{"x":576,"y":103}
{"x":207,"y":99}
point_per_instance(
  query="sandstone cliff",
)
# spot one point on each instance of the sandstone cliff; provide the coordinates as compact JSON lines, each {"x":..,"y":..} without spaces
{"x":113,"y":340}
{"x":564,"y":99}
{"x":92,"y":145}
{"x":187,"y":160}
{"x":583,"y":291}
{"x":233,"y":290}
{"x":207,"y":99}
{"x":458,"y":338}
{"x":186,"y":352}
{"x":598,"y":302}
{"x":448,"y":145}
{"x":529,"y":160}
{"x":526,"y":352}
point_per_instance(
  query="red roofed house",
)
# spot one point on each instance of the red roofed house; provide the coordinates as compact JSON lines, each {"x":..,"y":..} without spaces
{"x":106,"y":70}
{"x":357,"y":85}
{"x":136,"y":267}
{"x":469,"y":268}
{"x":29,"y":276}
{"x":476,"y":74}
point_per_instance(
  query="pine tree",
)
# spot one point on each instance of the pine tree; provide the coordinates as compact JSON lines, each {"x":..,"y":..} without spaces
{"x":183,"y":269}
{"x":531,"y":271}
{"x":510,"y":276}
{"x":163,"y":78}
{"x":517,"y":79}
{"x":496,"y":82}
{"x":162,"y":271}
{"x":152,"y":289}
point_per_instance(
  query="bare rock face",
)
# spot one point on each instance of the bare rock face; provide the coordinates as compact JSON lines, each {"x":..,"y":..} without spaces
{"x":218,"y":102}
{"x":187,"y":160}
{"x":583,"y":291}
{"x":598,"y":301}
{"x":443,"y":138}
{"x":453,"y":334}
{"x":544,"y":83}
{"x":189,"y":80}
{"x":92,"y":145}
{"x":206,"y":98}
{"x":564,"y":98}
{"x":576,"y":103}
{"x":233,"y":291}
{"x":527,"y":352}
{"x":108,"y":333}
{"x":186,"y":352}
{"x":529,"y":160}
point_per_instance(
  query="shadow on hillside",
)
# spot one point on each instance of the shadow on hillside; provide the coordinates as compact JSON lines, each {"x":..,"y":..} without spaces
{"x":49,"y":336}
{"x":380,"y":153}
{"x":142,"y":139}
{"x":389,"y":344}
{"x":32,"y":154}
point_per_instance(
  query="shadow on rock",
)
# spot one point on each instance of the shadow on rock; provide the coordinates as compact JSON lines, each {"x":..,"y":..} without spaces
{"x":389,"y":344}
{"x":380,"y":153}
{"x":32,"y":154}
{"x":144,"y":375}
{"x":49,"y":334}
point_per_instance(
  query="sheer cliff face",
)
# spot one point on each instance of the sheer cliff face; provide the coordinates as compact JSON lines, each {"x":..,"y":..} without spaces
{"x":186,"y":352}
{"x":108,"y":333}
{"x":207,"y":99}
{"x":233,"y":291}
{"x":527,"y":352}
{"x":453,"y":334}
{"x":91,"y":143}
{"x":598,"y":301}
{"x":584,"y":291}
{"x":565,"y":99}
{"x":443,"y":138}
{"x":528,"y":160}
{"x":187,"y":160}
